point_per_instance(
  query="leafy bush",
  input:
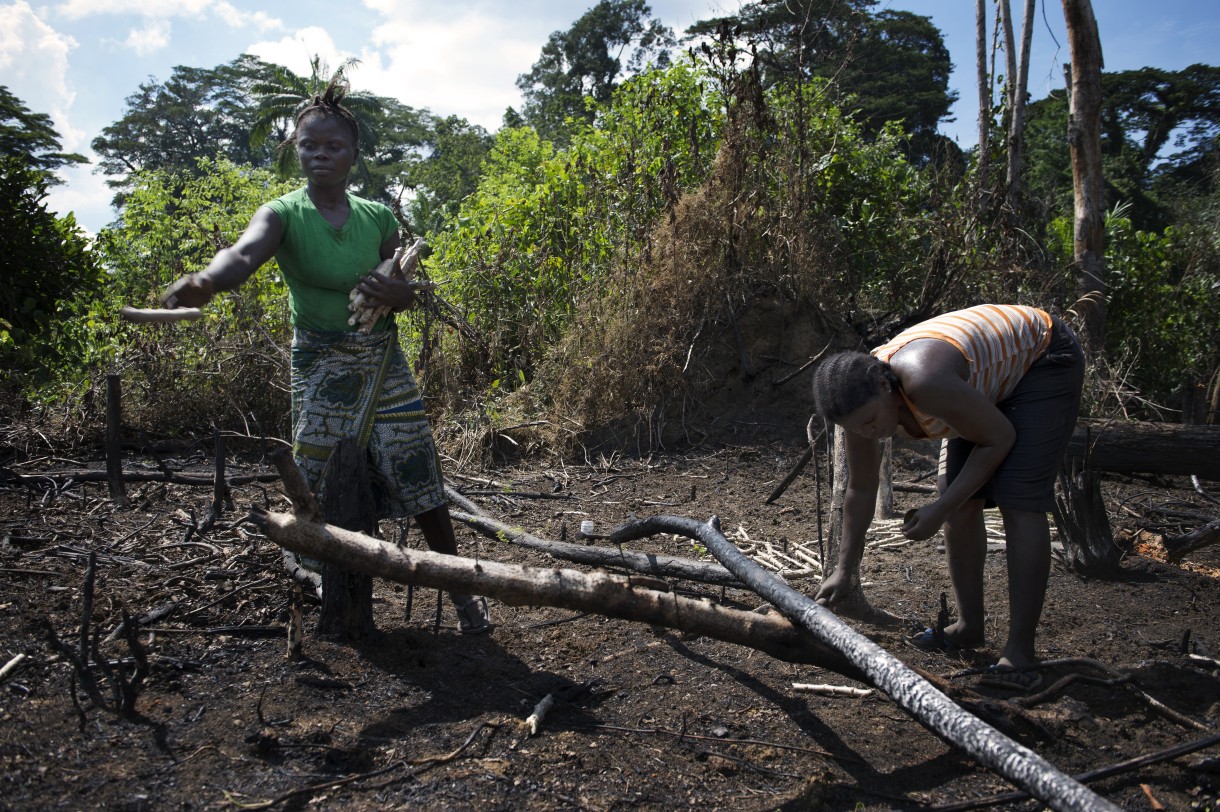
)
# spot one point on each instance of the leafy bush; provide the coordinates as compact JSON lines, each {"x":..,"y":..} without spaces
{"x":545,"y":230}
{"x":51,"y":275}
{"x":591,"y":274}
{"x":224,"y":367}
{"x":1162,"y":297}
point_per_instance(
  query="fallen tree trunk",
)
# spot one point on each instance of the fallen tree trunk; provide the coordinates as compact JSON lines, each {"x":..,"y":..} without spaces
{"x":600,"y":593}
{"x":661,"y":566}
{"x":929,"y":706}
{"x":1148,"y":448}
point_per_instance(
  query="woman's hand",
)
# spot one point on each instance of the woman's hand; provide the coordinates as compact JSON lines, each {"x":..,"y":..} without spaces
{"x":382,"y":290}
{"x":834,"y":588}
{"x":923,"y":523}
{"x":192,"y":290}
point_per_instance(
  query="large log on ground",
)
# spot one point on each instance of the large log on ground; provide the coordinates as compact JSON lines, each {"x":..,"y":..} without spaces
{"x":920,"y":698}
{"x":620,"y":596}
{"x":1148,"y":448}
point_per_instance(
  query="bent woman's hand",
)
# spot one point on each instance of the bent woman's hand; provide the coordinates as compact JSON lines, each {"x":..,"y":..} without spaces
{"x":834,"y":588}
{"x":922,"y":523}
{"x":192,"y":290}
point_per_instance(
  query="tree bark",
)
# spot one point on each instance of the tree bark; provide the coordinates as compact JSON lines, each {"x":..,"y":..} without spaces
{"x":984,"y":89}
{"x":1016,"y":125}
{"x":915,"y":694}
{"x":1148,"y":448}
{"x":1084,"y":142}
{"x":884,"y":509}
{"x":617,"y":596}
{"x":1080,"y":515}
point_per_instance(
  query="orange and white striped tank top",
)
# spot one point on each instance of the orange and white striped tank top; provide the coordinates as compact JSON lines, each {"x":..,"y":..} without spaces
{"x":1000,"y":343}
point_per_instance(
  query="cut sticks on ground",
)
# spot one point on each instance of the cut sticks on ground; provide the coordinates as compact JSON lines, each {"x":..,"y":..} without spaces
{"x":832,"y":690}
{"x":661,"y":566}
{"x":534,"y":721}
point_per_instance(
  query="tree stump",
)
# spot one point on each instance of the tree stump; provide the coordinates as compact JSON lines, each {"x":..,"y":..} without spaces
{"x":1080,"y":515}
{"x":856,"y":604}
{"x":345,"y":499}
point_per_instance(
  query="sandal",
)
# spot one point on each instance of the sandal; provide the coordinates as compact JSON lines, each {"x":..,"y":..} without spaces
{"x":473,"y":615}
{"x":1012,"y":679}
{"x":935,"y":640}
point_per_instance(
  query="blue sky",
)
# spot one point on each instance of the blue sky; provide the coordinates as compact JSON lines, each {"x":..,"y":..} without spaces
{"x":78,"y":60}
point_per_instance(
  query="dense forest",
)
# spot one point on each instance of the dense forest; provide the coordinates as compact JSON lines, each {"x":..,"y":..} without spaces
{"x":654,"y":191}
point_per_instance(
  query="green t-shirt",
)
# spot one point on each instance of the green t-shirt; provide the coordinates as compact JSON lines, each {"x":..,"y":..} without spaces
{"x":321,"y":263}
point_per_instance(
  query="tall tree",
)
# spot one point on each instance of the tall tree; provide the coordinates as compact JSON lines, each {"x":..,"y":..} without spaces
{"x":586,"y":62}
{"x":1084,"y":140}
{"x":898,"y":70}
{"x":983,"y":77}
{"x":197,"y":113}
{"x":401,"y":137}
{"x":448,"y":172}
{"x":1157,"y":129}
{"x":811,"y":37}
{"x":1017,"y":98}
{"x":891,"y":66}
{"x":32,"y":135}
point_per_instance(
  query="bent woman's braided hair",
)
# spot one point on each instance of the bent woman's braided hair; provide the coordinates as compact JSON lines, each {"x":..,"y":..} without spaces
{"x":326,"y":104}
{"x":846,"y":381}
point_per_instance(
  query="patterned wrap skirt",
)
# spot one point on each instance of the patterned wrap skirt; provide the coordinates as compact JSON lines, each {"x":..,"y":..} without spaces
{"x":350,"y":384}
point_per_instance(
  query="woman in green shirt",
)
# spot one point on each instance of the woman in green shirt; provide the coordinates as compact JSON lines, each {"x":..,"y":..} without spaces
{"x":344,"y":383}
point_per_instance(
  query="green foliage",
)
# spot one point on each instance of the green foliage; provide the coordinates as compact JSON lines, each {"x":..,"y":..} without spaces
{"x":543,"y":232}
{"x":32,"y":136}
{"x":448,"y":173}
{"x":50,"y":276}
{"x":198,"y":113}
{"x":1162,"y":297}
{"x":227,"y":365}
{"x":899,"y":71}
{"x":590,"y":274}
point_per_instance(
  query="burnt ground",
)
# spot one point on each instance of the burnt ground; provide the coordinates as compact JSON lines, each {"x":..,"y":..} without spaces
{"x":428,"y":719}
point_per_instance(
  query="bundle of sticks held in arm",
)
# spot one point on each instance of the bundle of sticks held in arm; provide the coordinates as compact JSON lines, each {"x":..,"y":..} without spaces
{"x":402,"y":265}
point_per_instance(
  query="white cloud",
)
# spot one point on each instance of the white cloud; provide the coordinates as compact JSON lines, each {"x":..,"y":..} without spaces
{"x":297,"y":49}
{"x":151,"y":38}
{"x":85,"y":194}
{"x":79,"y":9}
{"x":34,"y":63}
{"x":235,"y":18}
{"x":464,"y":65}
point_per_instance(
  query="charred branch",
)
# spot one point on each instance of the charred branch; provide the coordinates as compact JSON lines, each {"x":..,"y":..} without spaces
{"x":929,"y":706}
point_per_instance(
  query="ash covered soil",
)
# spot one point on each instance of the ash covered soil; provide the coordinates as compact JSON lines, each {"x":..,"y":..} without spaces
{"x":648,"y":718}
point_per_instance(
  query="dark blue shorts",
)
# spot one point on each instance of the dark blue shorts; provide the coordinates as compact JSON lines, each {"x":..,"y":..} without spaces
{"x":1042,"y":410}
